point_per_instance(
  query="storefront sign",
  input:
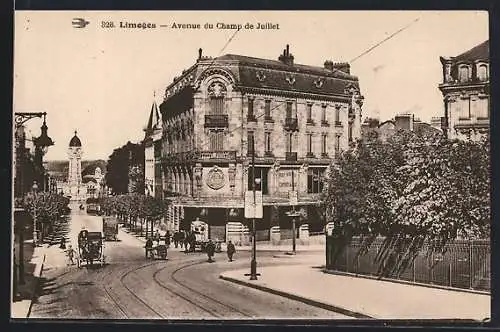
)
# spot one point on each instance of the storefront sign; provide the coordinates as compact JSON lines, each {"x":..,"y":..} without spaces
{"x":286,"y":180}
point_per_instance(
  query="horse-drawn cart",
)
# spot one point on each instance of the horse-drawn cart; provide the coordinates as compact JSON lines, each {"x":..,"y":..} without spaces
{"x":157,"y":252}
{"x":90,"y":248}
{"x":110,"y":228}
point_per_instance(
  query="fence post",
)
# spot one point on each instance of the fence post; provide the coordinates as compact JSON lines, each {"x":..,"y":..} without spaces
{"x":414,"y":266}
{"x":357,"y":264}
{"x":449,"y":275}
{"x":432,"y":267}
{"x":347,"y":259}
{"x":470,"y":265}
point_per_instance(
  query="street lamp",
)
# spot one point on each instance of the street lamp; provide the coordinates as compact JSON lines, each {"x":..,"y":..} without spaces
{"x":35,"y":188}
{"x":42,"y":145}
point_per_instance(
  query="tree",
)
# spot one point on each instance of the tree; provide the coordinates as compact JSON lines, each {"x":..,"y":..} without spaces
{"x":125,"y":169}
{"x":411,"y":190}
{"x":45,"y":208}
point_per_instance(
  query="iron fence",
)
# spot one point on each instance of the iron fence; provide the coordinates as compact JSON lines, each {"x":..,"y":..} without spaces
{"x":465,"y":264}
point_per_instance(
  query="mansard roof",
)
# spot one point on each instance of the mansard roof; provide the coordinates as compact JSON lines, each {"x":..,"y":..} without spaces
{"x":479,"y":52}
{"x":257,"y":75}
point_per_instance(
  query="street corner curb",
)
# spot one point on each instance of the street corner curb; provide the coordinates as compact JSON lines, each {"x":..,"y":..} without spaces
{"x":295,"y":297}
{"x":38,"y":275}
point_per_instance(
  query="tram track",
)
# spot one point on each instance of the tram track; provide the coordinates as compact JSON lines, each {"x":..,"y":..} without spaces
{"x":208,"y":307}
{"x":123,"y":284}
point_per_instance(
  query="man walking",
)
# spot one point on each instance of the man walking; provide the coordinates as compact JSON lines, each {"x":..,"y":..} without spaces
{"x":210,"y":248}
{"x":230,"y":250}
{"x":70,"y":253}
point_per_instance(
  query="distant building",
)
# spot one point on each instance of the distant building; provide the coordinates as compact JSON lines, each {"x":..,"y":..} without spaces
{"x":437,"y":122}
{"x":298,"y":117}
{"x":153,"y":179}
{"x":388,"y":128}
{"x":74,"y":185}
{"x":465,"y":89}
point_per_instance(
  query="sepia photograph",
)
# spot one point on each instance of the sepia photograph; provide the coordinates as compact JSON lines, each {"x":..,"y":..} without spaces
{"x":251,"y":165}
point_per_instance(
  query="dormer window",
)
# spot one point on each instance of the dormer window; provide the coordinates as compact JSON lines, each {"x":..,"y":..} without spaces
{"x":463,"y":74}
{"x":482,"y":72}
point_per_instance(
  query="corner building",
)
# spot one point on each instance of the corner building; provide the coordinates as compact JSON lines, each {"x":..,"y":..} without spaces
{"x":299,"y":118}
{"x":466,"y":93}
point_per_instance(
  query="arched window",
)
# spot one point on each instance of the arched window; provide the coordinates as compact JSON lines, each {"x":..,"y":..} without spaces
{"x":217,"y":92}
{"x":463,"y":74}
{"x":482,"y":72}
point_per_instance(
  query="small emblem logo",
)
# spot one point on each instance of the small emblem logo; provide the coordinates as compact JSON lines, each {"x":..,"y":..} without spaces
{"x":216,"y":179}
{"x":79,"y":23}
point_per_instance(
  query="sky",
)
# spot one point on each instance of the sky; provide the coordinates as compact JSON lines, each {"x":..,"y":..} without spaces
{"x":101,"y":81}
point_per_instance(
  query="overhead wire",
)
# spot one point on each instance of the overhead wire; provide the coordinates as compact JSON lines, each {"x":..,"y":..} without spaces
{"x":371,"y":48}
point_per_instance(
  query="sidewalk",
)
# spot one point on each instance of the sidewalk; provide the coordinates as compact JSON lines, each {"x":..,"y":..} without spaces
{"x":283,"y":248}
{"x":365,"y":298}
{"x":20,"y":308}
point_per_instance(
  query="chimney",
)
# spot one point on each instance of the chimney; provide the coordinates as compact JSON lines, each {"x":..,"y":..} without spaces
{"x":343,"y":67}
{"x":328,"y":64}
{"x":404,"y":121}
{"x":200,"y":51}
{"x":286,"y":57}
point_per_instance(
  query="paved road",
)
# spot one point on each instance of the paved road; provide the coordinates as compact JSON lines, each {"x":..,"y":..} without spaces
{"x":185,"y":286}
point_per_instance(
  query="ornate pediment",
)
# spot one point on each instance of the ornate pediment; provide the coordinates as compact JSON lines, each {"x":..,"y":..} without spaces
{"x":215,"y":72}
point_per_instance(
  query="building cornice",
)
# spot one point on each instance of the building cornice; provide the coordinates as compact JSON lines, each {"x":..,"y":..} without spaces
{"x":294,"y":94}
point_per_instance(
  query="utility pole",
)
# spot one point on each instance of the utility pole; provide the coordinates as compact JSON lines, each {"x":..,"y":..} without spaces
{"x":253,"y":210}
{"x":293,"y":214}
{"x":253,"y":264}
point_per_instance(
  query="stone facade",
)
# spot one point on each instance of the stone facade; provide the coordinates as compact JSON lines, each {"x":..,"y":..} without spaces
{"x":466,"y":95}
{"x":298,"y":117}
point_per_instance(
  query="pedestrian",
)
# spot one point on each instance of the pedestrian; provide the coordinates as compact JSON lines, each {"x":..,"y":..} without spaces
{"x":70,"y":253}
{"x":148,"y":246}
{"x":210,"y":248}
{"x":63,"y":243}
{"x":192,"y":242}
{"x":176,"y":239}
{"x":230,"y":250}
{"x":157,"y":236}
{"x":187,"y":238}
{"x":167,"y":238}
{"x":182,"y":238}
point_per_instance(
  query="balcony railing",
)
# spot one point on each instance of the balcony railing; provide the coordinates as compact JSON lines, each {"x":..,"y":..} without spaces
{"x":310,"y":155}
{"x":324,"y":123}
{"x":338,"y":124}
{"x":291,"y":156}
{"x":216,"y":120}
{"x":251,"y":118}
{"x":291,"y":123}
{"x":193,"y":156}
{"x":217,"y":155}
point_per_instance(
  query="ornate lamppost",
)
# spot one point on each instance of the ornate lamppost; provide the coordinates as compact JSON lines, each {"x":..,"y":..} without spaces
{"x":35,"y":211}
